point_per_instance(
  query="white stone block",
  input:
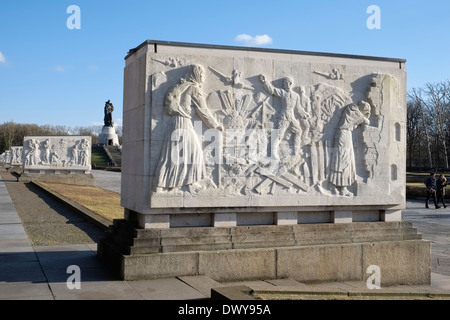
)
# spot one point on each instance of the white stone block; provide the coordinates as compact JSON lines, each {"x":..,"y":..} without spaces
{"x":217,"y":127}
{"x":391,"y":215}
{"x":224,"y":220}
{"x":63,"y":153}
{"x":16,"y":156}
{"x":286,"y":218}
{"x":342,"y":216}
{"x":153,"y":221}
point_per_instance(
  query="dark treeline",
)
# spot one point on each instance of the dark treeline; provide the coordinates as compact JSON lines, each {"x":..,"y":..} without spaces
{"x":12,"y":134}
{"x":428,"y":120}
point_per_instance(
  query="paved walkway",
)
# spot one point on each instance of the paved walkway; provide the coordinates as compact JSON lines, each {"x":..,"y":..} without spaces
{"x":47,"y":272}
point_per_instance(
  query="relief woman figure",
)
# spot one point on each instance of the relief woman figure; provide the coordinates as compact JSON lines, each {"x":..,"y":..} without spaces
{"x":182,"y":161}
{"x":343,"y":168}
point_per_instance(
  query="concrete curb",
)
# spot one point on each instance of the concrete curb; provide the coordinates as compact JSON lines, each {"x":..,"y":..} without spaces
{"x":246,"y":292}
{"x":90,"y":215}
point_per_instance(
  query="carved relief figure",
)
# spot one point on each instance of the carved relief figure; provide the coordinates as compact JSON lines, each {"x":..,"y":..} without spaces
{"x":171,"y":62}
{"x":55,"y":158}
{"x":32,"y":156}
{"x":16,"y":155}
{"x":46,"y":153}
{"x":73,"y":155}
{"x":182,"y":160}
{"x":84,"y":152}
{"x":343,"y":168}
{"x":290,"y":104}
{"x":334,"y":75}
{"x":234,"y":80}
{"x":305,"y":102}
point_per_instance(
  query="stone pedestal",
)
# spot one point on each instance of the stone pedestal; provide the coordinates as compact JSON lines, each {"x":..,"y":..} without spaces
{"x":108,"y":136}
{"x":305,"y":252}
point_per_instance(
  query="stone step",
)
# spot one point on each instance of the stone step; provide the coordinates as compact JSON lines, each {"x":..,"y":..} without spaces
{"x":140,"y":241}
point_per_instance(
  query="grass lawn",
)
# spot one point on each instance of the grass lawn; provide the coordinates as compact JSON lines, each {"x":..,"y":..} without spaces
{"x":418,"y":173}
{"x":98,"y":159}
{"x":103,"y":202}
{"x":415,"y":184}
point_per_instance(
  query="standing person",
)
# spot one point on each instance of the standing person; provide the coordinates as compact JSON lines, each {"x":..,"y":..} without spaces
{"x":430,"y":184}
{"x":441,"y":183}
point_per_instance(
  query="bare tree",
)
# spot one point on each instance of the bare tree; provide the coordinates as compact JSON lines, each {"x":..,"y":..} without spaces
{"x":414,"y":135}
{"x":437,"y":101}
{"x":419,"y":102}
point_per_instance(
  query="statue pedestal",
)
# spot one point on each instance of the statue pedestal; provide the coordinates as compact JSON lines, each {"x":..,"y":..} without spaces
{"x":108,"y":136}
{"x":305,"y":252}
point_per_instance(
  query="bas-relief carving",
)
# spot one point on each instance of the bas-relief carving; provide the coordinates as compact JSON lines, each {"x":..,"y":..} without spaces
{"x":343,"y":167}
{"x":235,"y":79}
{"x":182,"y":160}
{"x":16,"y":156}
{"x":57,"y":152}
{"x":171,"y":62}
{"x":5,"y":157}
{"x":300,"y":144}
{"x":335,"y":74}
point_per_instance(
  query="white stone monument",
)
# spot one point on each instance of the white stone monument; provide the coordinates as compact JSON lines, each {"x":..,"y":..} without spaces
{"x":63,"y":159}
{"x":270,"y":131}
{"x":16,"y":156}
{"x":6,"y":159}
{"x":253,"y":148}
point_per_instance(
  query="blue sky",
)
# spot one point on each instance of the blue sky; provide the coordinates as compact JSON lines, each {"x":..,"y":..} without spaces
{"x":50,"y":74}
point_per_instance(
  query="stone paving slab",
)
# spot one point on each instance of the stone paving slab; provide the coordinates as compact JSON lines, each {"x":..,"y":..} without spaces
{"x":95,"y":290}
{"x":21,"y":272}
{"x":25,"y":291}
{"x":12,"y":244}
{"x":165,"y":289}
{"x":203,"y":284}
{"x":9,"y":217}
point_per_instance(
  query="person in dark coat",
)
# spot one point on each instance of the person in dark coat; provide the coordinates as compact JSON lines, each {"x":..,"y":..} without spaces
{"x":441,"y":183}
{"x":430,"y":184}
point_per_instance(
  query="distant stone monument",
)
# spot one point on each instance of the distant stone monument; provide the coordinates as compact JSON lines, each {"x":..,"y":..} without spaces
{"x":6,"y":159}
{"x":240,"y":163}
{"x":16,"y":157}
{"x":60,"y":159}
{"x":108,"y":135}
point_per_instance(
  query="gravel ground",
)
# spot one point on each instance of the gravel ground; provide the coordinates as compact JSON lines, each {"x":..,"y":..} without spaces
{"x":46,"y":220}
